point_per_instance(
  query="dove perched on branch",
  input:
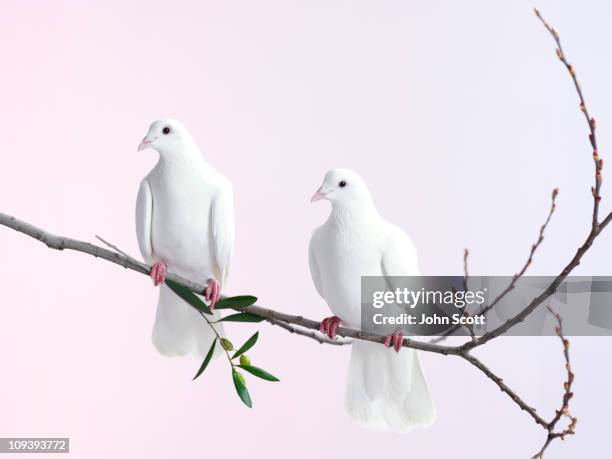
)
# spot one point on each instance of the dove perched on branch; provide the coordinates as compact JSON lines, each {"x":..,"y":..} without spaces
{"x":184,"y":224}
{"x":386,"y":390}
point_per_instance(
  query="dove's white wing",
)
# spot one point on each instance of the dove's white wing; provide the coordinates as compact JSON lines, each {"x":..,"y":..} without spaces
{"x":222,"y":229}
{"x":399,"y":257}
{"x":385,"y":390}
{"x":314,"y":268}
{"x":144,"y":214}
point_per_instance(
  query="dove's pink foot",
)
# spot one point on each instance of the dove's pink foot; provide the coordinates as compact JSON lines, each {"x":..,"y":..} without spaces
{"x":212,"y":292}
{"x":158,"y":272}
{"x":397,"y":339}
{"x":330,"y":325}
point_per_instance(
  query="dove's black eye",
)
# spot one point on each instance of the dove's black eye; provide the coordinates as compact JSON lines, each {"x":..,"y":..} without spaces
{"x":166,"y":130}
{"x":342,"y":184}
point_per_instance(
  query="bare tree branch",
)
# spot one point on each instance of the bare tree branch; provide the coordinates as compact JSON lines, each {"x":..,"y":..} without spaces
{"x":114,"y":247}
{"x":466,"y":254}
{"x":319,"y":337}
{"x":532,"y":252}
{"x":589,"y":119}
{"x":567,"y":395}
{"x":596,"y":227}
{"x":515,"y":278}
{"x":65,"y":243}
{"x":286,"y":321}
{"x":504,"y":387}
{"x":470,"y":327}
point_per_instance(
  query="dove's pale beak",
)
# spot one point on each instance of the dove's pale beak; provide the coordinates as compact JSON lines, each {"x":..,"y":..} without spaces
{"x":318,"y":195}
{"x":146,"y":143}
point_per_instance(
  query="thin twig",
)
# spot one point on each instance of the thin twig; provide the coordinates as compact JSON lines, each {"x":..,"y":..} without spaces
{"x":504,"y":388}
{"x":466,"y":254}
{"x":112,"y":246}
{"x":595,"y":190}
{"x":532,"y":252}
{"x":468,"y":326}
{"x":567,"y":394}
{"x":540,"y":454}
{"x":454,"y":328}
{"x":515,"y":278}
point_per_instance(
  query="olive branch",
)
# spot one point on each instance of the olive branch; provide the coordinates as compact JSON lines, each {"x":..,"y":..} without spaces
{"x":237,"y":303}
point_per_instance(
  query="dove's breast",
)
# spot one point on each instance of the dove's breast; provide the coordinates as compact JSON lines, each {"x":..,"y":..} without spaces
{"x":180,"y":227}
{"x":343,"y":255}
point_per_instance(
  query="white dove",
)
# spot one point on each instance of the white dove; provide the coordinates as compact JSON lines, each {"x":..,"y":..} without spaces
{"x":385,"y":390}
{"x":185,"y":224}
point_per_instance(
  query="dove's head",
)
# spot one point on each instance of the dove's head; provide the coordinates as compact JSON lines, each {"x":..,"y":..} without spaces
{"x":168,"y":137}
{"x":343,"y":187}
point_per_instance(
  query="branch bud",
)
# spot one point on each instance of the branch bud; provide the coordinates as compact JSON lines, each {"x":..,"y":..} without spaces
{"x":555,"y":33}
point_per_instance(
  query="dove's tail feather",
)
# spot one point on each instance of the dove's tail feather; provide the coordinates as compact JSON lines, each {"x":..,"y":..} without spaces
{"x":387,"y":390}
{"x":179,"y":329}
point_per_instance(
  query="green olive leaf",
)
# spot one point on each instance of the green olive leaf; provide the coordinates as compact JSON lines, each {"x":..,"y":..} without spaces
{"x":236,"y":302}
{"x":188,"y":296}
{"x":247,"y":345}
{"x":240,"y":386}
{"x":260,"y":373}
{"x":207,"y":359}
{"x":241,"y":317}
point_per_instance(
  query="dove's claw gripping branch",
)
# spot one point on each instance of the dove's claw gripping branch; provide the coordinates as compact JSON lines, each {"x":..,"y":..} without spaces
{"x":212,"y":292}
{"x":397,"y":339}
{"x":329,"y":326}
{"x":158,"y":273}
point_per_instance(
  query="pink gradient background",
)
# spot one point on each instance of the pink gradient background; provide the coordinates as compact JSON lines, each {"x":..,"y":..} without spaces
{"x":456,"y":113}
